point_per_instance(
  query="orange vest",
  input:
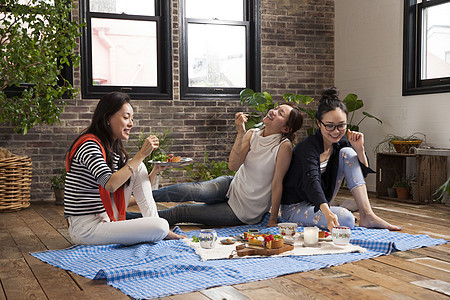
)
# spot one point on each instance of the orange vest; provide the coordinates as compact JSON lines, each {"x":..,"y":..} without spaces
{"x":119,"y":195}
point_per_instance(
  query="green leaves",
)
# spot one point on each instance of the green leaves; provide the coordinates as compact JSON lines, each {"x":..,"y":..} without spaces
{"x":353,"y":104}
{"x":38,"y":39}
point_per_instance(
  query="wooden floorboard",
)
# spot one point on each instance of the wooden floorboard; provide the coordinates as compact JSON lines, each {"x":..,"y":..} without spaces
{"x":398,"y":276}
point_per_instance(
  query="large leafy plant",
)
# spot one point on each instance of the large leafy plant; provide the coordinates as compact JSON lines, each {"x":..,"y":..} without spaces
{"x":207,"y":170}
{"x":353,"y":104}
{"x":36,"y":40}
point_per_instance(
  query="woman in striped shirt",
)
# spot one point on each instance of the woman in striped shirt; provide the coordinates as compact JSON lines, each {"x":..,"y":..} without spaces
{"x":101,"y":178}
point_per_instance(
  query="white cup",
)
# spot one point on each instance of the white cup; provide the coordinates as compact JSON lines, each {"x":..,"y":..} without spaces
{"x":207,"y":238}
{"x":287,"y":229}
{"x":341,"y":235}
{"x":311,"y":237}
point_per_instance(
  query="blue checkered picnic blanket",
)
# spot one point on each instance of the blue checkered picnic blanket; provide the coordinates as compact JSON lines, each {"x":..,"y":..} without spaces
{"x":171,"y":267}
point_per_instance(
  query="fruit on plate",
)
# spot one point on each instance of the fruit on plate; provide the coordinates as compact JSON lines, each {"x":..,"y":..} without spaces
{"x":323,"y":234}
{"x":171,"y":158}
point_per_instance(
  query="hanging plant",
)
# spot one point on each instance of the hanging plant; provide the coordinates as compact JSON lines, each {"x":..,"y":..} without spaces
{"x":37,"y":40}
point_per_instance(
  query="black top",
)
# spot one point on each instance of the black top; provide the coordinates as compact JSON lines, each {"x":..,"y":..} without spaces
{"x":304,"y":181}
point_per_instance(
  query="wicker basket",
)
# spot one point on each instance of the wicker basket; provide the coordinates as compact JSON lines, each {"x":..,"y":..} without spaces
{"x":15,"y":182}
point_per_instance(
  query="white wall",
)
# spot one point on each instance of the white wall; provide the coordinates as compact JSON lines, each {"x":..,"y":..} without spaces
{"x":369,"y":58}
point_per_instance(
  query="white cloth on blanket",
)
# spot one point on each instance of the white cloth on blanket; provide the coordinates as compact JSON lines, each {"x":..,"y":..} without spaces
{"x":221,"y":251}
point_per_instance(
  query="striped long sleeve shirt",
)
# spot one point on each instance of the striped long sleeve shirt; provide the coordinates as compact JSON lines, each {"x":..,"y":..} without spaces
{"x":87,"y":171}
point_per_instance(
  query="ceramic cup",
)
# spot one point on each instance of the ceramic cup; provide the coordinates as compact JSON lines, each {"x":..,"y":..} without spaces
{"x":207,"y":238}
{"x":287,"y":229}
{"x":311,"y":237}
{"x":341,"y":235}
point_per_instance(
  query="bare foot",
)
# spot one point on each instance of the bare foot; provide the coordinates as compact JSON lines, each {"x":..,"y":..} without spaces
{"x":374,"y":221}
{"x":173,"y":236}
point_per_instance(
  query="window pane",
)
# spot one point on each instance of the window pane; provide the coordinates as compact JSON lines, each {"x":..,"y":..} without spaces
{"x":215,"y":9}
{"x":133,"y":7}
{"x":216,"y":56}
{"x":124,"y":52}
{"x":436,"y":41}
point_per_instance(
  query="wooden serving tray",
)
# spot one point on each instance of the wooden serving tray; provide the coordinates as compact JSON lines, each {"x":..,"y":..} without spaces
{"x":243,"y":250}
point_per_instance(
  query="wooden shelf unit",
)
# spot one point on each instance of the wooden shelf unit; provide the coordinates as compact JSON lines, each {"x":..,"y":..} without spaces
{"x":431,"y":172}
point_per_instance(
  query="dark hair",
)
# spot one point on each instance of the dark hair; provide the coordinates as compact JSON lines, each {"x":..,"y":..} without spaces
{"x":108,"y":105}
{"x":294,"y":122}
{"x":329,"y":101}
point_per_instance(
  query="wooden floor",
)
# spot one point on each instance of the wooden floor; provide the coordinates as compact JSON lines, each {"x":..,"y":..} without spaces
{"x":401,"y":275}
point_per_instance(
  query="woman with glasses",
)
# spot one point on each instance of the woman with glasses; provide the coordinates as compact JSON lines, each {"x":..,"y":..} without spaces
{"x":319,"y":163}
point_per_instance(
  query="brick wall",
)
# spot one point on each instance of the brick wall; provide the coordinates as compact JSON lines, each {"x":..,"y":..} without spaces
{"x":297,"y":39}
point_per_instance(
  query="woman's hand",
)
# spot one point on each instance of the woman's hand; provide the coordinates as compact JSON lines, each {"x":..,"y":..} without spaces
{"x":332,"y":219}
{"x":151,"y":143}
{"x":240,"y":119}
{"x":272,"y":223}
{"x":356,"y":139}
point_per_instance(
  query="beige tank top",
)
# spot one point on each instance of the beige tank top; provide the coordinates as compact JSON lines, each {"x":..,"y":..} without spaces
{"x":250,"y":192}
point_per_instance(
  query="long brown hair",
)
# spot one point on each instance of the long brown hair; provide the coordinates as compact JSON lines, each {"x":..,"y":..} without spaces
{"x":108,"y":105}
{"x":294,"y":122}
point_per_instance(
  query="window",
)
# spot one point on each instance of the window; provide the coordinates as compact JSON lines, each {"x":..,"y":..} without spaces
{"x":220,"y":48}
{"x":126,"y":46}
{"x":426,"y":47}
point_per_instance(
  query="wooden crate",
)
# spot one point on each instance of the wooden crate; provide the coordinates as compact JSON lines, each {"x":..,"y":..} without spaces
{"x":431,"y":172}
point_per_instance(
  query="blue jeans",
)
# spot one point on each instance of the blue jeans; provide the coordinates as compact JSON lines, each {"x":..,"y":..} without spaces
{"x":303,"y":213}
{"x":213,"y":211}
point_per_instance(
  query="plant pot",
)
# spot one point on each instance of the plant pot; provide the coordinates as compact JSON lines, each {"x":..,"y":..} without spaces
{"x":402,"y":192}
{"x":404,"y":146}
{"x":392,"y":192}
{"x":59,"y":196}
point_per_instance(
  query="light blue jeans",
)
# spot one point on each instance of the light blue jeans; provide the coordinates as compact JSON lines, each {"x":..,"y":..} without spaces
{"x":303,"y":213}
{"x":213,"y":211}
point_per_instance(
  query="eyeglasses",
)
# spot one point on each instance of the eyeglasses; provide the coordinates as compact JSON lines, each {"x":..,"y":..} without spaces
{"x":332,"y":127}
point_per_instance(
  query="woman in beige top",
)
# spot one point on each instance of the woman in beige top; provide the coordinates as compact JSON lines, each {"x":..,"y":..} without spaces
{"x":261,"y":157}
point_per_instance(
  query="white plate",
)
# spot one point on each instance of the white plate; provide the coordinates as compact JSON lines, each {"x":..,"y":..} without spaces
{"x":326,"y":239}
{"x":183,"y":160}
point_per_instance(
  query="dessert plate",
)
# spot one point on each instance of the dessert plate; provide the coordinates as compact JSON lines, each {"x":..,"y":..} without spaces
{"x":183,"y":160}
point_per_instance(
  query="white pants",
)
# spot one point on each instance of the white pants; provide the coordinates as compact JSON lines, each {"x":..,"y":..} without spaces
{"x":97,"y":228}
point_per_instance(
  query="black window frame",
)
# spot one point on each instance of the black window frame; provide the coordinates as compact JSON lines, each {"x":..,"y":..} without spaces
{"x":252,"y":21}
{"x":163,"y":90}
{"x":412,"y":41}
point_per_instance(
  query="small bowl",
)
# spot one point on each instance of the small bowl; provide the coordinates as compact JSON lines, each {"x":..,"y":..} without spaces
{"x":341,"y":235}
{"x":228,"y":241}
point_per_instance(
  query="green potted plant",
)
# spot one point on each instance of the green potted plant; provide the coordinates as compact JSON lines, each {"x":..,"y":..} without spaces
{"x":401,"y":144}
{"x":443,"y":192}
{"x":207,"y":170}
{"x":57,"y":183}
{"x":402,"y":187}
